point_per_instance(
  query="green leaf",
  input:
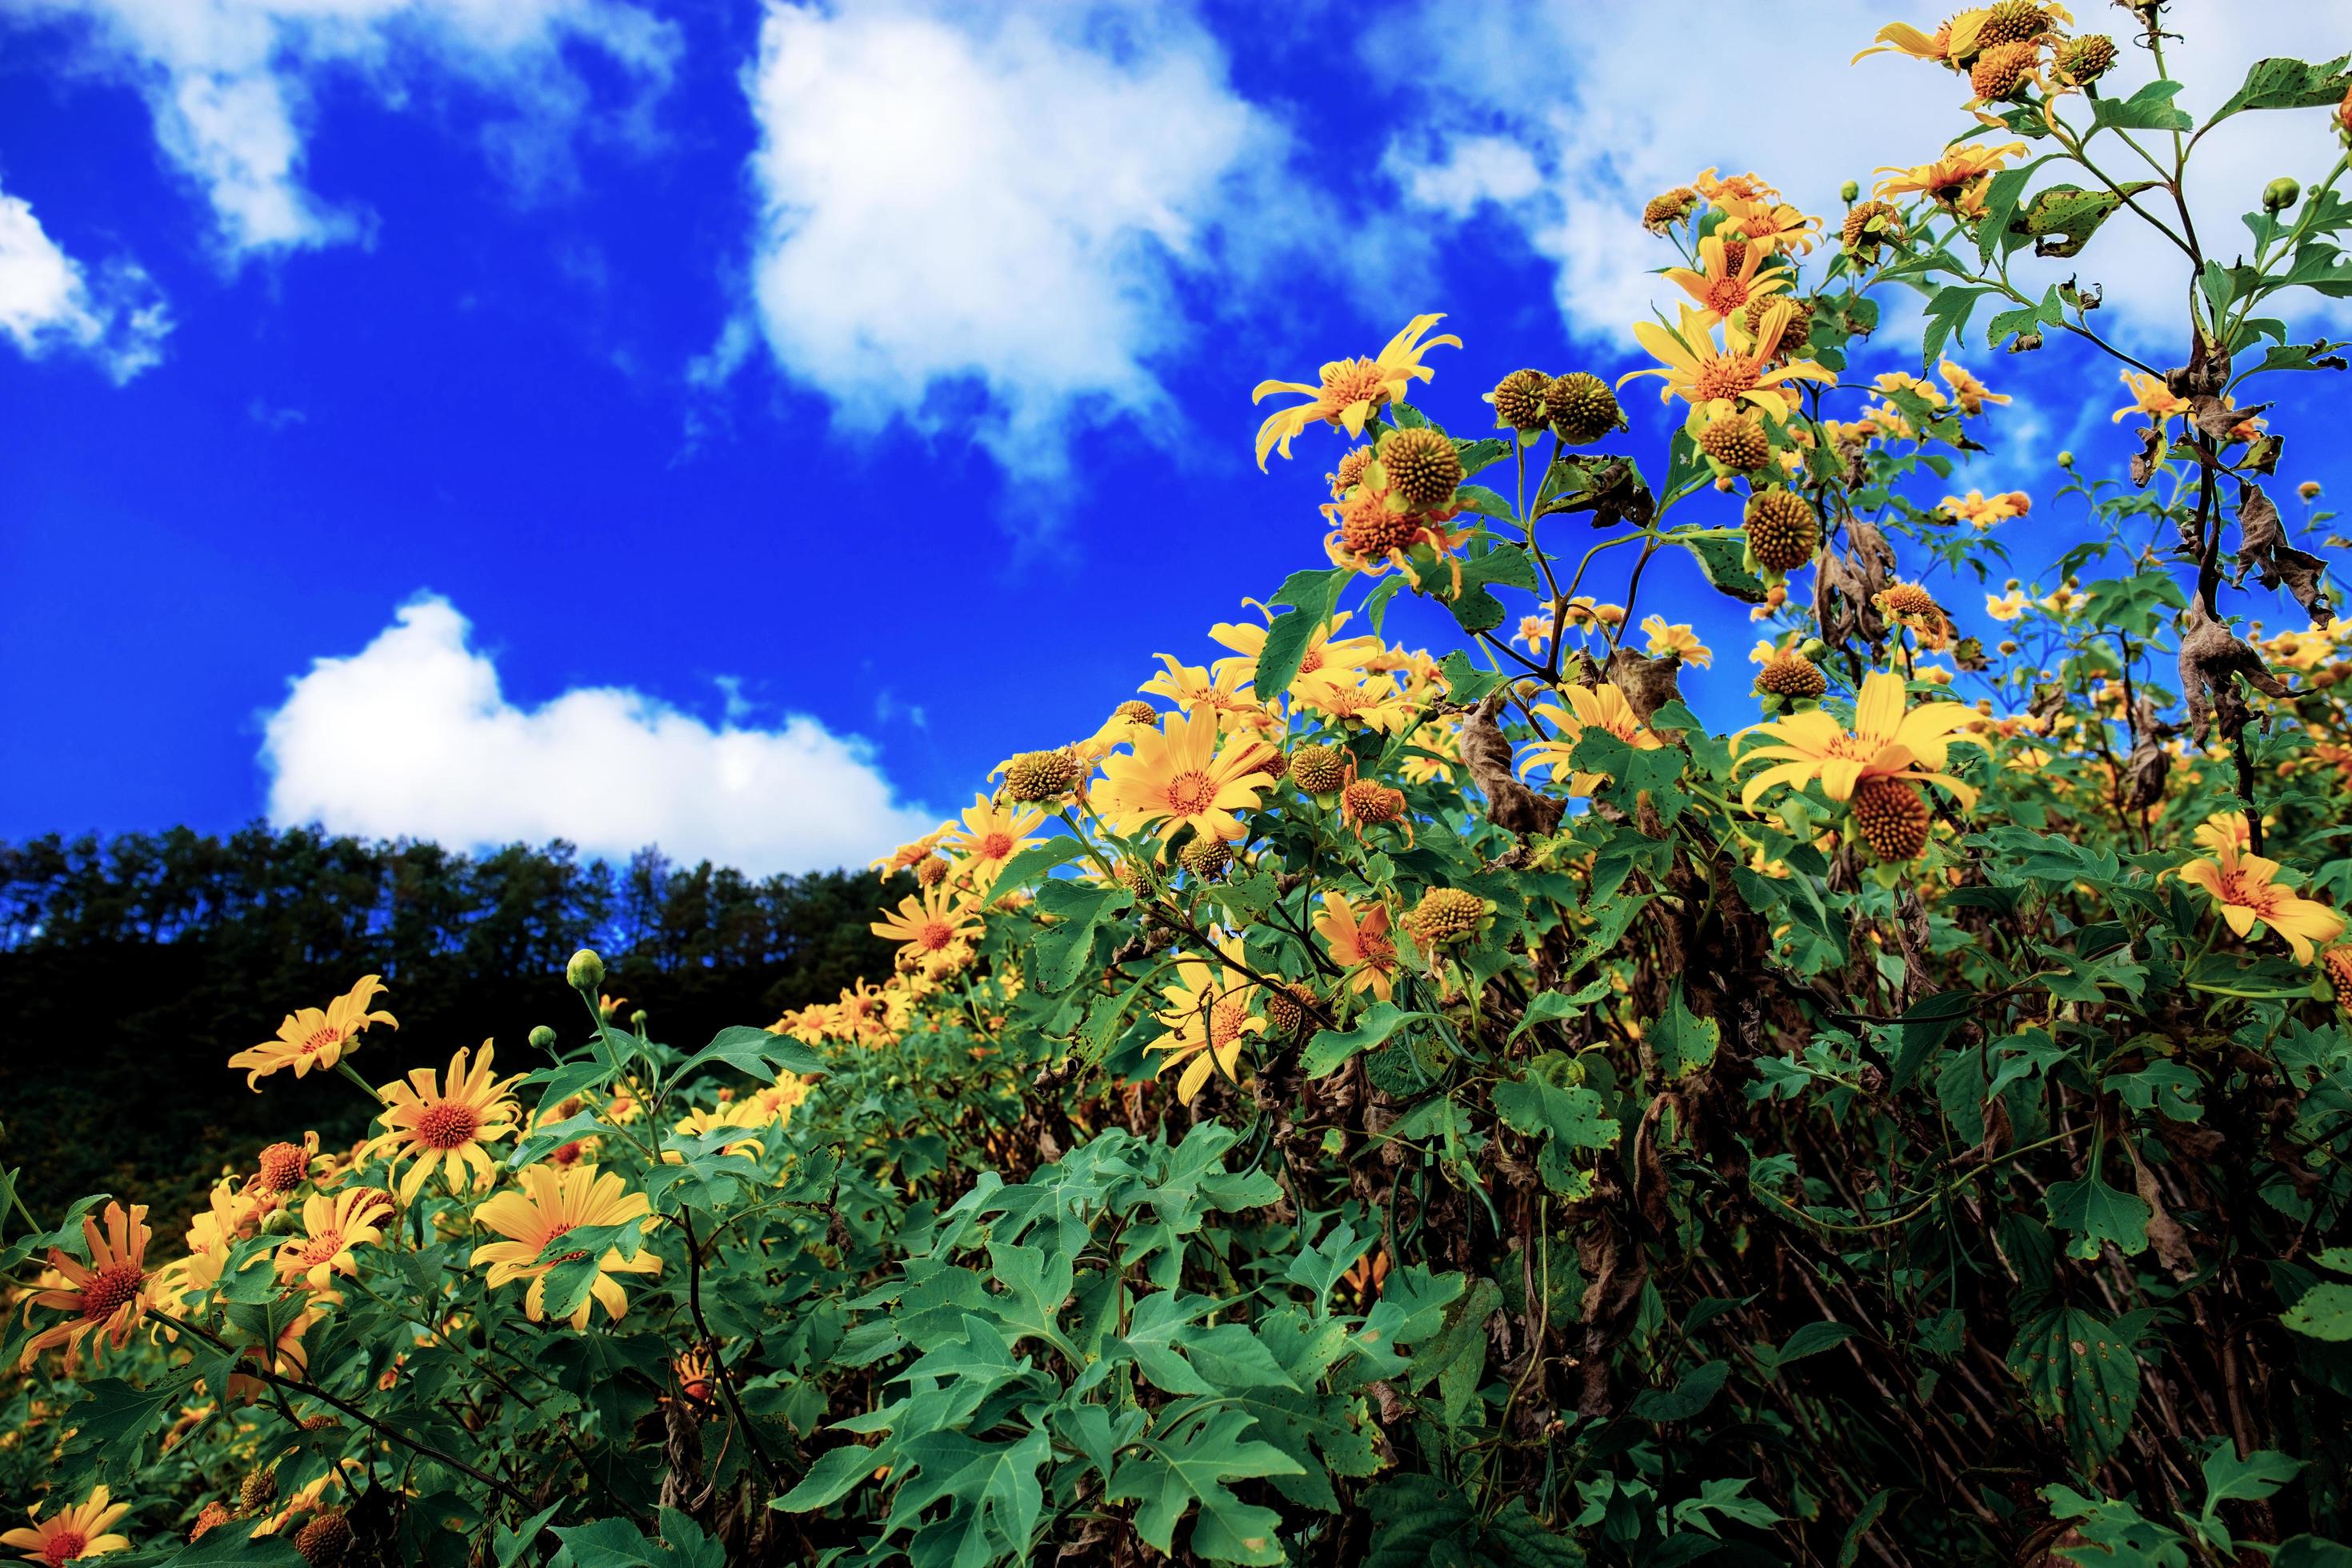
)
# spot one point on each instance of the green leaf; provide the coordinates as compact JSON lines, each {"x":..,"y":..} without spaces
{"x":1457,"y":1354}
{"x":1724,"y":563}
{"x":1421,"y":1522}
{"x":2229,"y":1479}
{"x":837,"y":1470}
{"x":1812,"y":1338}
{"x":754,"y":1051}
{"x":1685,"y":1042}
{"x":2281,"y":83}
{"x":1868,"y":1514}
{"x":1948,"y":313}
{"x":1311,"y":596}
{"x":1550,"y":1006}
{"x":1412,"y":1308}
{"x":2149,"y":109}
{"x":1690,"y":1395}
{"x":1331,"y":1049}
{"x":1464,"y":681}
{"x":2081,"y":1373}
{"x":1553,"y":1103}
{"x":1188,"y":1467}
{"x":2098,"y":1213}
{"x":114,"y":1417}
{"x":1035,"y":860}
{"x":991,"y":1488}
{"x":1477,"y":609}
{"x":2325,"y":1312}
{"x":1059,"y":952}
{"x":2061,"y":219}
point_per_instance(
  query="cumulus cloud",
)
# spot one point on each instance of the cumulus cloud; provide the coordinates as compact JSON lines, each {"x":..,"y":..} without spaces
{"x":1565,"y":117}
{"x":413,"y":736}
{"x":49,"y":303}
{"x":229,"y":84}
{"x":986,"y":214}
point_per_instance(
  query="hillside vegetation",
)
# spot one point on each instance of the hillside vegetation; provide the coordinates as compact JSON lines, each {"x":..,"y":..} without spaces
{"x":1442,"y":1109}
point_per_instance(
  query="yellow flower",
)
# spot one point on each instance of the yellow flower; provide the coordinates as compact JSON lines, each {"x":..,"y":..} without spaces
{"x":1224,"y":693}
{"x":907,"y":856}
{"x":1951,"y":179}
{"x":1328,"y":658}
{"x":929,"y":924}
{"x":2007,"y":606}
{"x":1675,"y":640}
{"x":1918,"y":387}
{"x":105,"y":1298}
{"x":1888,"y":741}
{"x":1373,"y":701}
{"x":991,"y":836}
{"x":733,"y":1116}
{"x":1534,"y":631}
{"x":1602,"y":706}
{"x":1208,"y":1018}
{"x":1767,"y":222}
{"x":446,"y":1124}
{"x":2242,"y":883}
{"x":1701,"y":374}
{"x":2151,"y":398}
{"x":1175,"y":777}
{"x":552,"y":1203}
{"x":73,"y":1535}
{"x":1901,"y":37}
{"x":332,"y":1227}
{"x":2224,"y":830}
{"x":1725,"y":287}
{"x":1353,"y":390}
{"x":312,"y":1038}
{"x":1983,"y":510}
{"x":1970,"y":392}
{"x":1362,"y":947}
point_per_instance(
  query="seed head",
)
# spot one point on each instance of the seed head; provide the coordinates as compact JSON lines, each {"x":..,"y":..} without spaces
{"x":1870,"y":226}
{"x":324,"y":1540}
{"x":1892,"y":817}
{"x":1350,"y":472}
{"x":1319,"y":768}
{"x":1135,"y":710}
{"x":1369,"y":800}
{"x":1444,"y":915}
{"x":258,"y":1491}
{"x":1737,"y":441}
{"x":1581,"y":406}
{"x":1793,"y":676}
{"x":2001,"y":69}
{"x":1207,"y":858}
{"x":1792,"y":336}
{"x":1424,"y":466}
{"x":1519,"y":400}
{"x":1369,"y":530}
{"x":1287,"y":1009}
{"x":2086,"y":58}
{"x":1034,"y":776}
{"x":2012,"y":21}
{"x":930,"y":871}
{"x":1782,"y":530}
{"x":1663,"y":211}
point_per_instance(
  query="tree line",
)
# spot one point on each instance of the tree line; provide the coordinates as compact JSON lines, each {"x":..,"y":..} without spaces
{"x":132,"y":967}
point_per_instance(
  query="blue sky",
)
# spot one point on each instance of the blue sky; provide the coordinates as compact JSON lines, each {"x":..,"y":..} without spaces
{"x":792,"y":410}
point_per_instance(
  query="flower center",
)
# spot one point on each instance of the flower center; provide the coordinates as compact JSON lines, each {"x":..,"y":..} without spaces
{"x":64,"y":1547}
{"x":1724,"y":376}
{"x":1310,"y":661}
{"x":109,"y":1289}
{"x":1189,"y":793}
{"x":449,"y":1124}
{"x":995,"y":846}
{"x":566,"y":1154}
{"x":1377,"y":950}
{"x":282,"y":1167}
{"x":1352,"y":382}
{"x":2238,"y":889}
{"x":935,"y":935}
{"x":1725,"y":296}
{"x":322,"y":1248}
{"x":1225,"y":1021}
{"x":321,"y":1039}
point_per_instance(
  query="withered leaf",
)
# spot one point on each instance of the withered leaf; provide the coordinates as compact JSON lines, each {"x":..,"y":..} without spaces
{"x":2211,"y":657}
{"x":1649,"y":684}
{"x":1486,"y":753}
{"x":2262,"y":546}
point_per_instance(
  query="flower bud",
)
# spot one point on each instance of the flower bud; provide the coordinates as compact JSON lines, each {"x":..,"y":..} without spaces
{"x":1849,"y":192}
{"x":585,"y":972}
{"x":637,"y":1020}
{"x":542,"y":1037}
{"x":2280,"y":194}
{"x":2065,"y":459}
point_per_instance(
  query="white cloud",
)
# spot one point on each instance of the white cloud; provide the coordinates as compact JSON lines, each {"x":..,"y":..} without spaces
{"x":229,"y":84}
{"x":1607,"y":108}
{"x":987,"y":215}
{"x":413,"y":736}
{"x":48,"y":302}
